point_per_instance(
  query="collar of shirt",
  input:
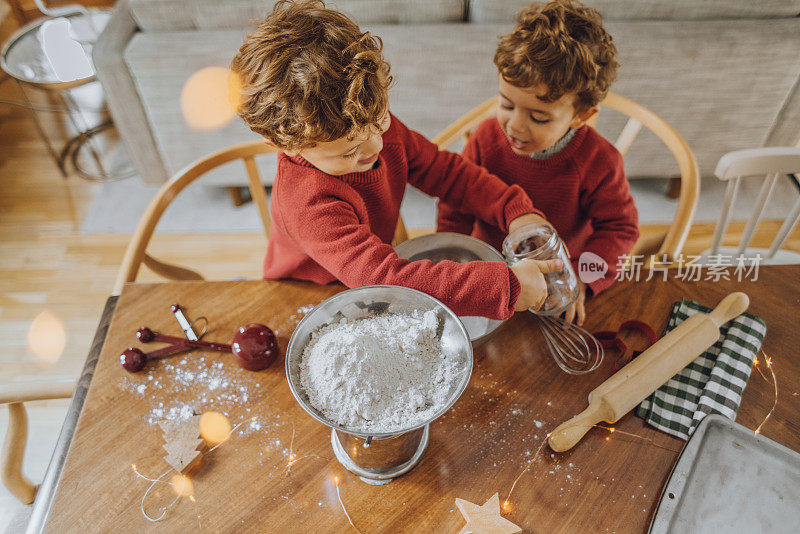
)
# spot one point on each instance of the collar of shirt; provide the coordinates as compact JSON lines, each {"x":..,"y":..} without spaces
{"x":557,"y":147}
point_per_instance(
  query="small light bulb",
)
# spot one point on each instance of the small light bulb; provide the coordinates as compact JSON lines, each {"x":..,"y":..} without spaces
{"x":336,"y":480}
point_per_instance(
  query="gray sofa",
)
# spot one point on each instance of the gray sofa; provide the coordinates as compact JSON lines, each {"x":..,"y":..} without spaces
{"x":723,"y":72}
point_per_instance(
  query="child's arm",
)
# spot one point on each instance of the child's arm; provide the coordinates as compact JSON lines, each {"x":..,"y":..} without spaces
{"x":450,"y":218}
{"x":330,"y":232}
{"x":461,"y":183}
{"x":608,"y":203}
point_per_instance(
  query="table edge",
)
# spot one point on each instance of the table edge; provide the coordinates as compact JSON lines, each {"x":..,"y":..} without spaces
{"x":47,"y":490}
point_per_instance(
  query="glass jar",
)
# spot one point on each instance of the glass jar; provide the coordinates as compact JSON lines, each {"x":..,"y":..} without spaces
{"x":539,"y":241}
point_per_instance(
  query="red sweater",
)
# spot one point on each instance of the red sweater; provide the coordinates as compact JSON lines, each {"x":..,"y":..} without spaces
{"x":582,"y":191}
{"x":340,"y":227}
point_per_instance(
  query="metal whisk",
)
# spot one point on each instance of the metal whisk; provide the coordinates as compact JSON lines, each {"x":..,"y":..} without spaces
{"x":575,"y":350}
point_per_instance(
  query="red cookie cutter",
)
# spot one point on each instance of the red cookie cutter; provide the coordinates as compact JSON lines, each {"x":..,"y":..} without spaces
{"x":611,"y":340}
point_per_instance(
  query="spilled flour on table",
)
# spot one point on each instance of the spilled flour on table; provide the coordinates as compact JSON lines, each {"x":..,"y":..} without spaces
{"x":208,"y":384}
{"x":379,"y":374}
{"x":180,"y":387}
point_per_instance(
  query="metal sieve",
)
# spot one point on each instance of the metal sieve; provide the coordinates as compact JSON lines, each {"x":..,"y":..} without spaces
{"x":379,"y":457}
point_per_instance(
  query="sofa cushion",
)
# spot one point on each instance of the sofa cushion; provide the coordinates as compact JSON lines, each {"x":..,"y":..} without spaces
{"x":488,"y":11}
{"x":173,"y":15}
{"x":721,"y":94}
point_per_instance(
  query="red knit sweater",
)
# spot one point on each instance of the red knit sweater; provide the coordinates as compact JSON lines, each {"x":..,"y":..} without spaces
{"x":582,"y":191}
{"x":339,"y":227}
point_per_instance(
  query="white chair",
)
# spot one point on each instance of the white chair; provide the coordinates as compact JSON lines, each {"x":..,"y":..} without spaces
{"x":768,"y":164}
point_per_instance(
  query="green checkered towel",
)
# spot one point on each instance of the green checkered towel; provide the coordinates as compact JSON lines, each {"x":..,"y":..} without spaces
{"x":713,"y":383}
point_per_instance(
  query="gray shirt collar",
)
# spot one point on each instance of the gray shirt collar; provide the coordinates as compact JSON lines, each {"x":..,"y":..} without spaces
{"x":557,"y":147}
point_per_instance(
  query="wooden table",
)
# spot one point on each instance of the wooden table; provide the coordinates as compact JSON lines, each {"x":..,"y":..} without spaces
{"x":515,"y":396}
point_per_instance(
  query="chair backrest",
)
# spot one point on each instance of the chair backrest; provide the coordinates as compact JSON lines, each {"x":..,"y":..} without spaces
{"x":638,"y":117}
{"x":768,"y":163}
{"x":136,"y":253}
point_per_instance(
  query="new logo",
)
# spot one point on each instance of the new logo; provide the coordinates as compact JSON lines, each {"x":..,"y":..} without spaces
{"x":591,"y":267}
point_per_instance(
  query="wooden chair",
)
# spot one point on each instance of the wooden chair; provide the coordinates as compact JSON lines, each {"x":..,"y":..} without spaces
{"x":768,"y":164}
{"x":136,"y":253}
{"x":15,"y":395}
{"x":666,"y":246}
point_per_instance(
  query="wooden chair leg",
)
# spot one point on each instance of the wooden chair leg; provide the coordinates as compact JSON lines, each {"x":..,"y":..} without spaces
{"x":400,"y":233}
{"x":648,"y":243}
{"x":236,"y":195}
{"x":674,"y":188}
{"x":13,"y":454}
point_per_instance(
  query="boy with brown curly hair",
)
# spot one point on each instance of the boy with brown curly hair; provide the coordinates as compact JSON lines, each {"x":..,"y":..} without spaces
{"x":554,"y":68}
{"x":315,"y":86}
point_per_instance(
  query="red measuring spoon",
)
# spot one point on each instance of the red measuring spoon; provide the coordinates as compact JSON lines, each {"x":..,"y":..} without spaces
{"x":254,"y":347}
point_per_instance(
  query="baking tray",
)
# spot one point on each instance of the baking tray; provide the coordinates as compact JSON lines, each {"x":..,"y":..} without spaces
{"x":727,"y":479}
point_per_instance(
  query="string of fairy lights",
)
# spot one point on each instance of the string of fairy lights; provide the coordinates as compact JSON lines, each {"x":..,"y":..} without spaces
{"x":344,"y":509}
{"x":292,"y":457}
{"x":768,"y":363}
{"x":182,"y":485}
{"x":611,"y":430}
{"x":185,"y":489}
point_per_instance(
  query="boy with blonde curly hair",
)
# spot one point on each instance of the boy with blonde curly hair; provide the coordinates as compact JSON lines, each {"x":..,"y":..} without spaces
{"x":554,"y":68}
{"x":316,"y":87}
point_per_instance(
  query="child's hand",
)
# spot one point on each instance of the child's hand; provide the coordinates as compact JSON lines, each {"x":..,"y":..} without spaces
{"x":522,"y":220}
{"x":578,"y":308}
{"x":530,"y":274}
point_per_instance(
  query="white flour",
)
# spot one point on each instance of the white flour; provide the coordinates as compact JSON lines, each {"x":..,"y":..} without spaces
{"x":378,"y":374}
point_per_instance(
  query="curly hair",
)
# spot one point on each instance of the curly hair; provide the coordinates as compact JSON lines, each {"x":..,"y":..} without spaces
{"x":563,"y":45}
{"x":308,"y":74}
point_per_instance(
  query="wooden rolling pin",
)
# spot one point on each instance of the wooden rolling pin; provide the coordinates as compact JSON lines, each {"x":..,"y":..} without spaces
{"x":633,"y":383}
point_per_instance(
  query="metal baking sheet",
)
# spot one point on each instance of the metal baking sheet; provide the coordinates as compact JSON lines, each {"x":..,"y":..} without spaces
{"x":727,"y":479}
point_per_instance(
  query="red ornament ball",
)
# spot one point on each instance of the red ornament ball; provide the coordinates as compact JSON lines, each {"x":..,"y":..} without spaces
{"x":133,"y":359}
{"x":255,"y":347}
{"x":145,"y":335}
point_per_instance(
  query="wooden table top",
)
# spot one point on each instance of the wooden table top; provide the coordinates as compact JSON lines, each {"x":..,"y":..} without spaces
{"x":515,"y":396}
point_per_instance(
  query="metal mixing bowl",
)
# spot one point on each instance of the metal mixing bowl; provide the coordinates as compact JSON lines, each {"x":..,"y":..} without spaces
{"x":459,"y":248}
{"x":366,"y":302}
